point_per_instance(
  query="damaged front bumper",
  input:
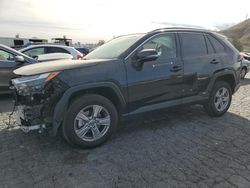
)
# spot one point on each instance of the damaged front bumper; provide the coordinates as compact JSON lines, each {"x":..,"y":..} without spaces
{"x":35,"y":101}
{"x":27,"y":117}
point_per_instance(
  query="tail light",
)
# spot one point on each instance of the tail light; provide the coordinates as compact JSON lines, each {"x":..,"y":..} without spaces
{"x":79,"y":56}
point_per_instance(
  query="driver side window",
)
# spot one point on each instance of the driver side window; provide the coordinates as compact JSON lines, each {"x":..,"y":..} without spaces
{"x":164,"y":44}
{"x":6,"y":56}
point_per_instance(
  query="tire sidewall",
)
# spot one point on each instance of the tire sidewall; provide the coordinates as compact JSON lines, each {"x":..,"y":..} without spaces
{"x":74,"y":109}
{"x":217,"y":87}
{"x":243,"y":70}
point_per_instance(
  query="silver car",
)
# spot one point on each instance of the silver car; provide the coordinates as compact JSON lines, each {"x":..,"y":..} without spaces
{"x":35,"y":50}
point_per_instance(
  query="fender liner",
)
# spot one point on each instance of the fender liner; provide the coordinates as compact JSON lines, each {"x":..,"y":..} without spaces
{"x":62,"y":104}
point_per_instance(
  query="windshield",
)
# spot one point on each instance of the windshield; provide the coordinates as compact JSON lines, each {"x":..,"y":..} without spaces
{"x":114,"y":48}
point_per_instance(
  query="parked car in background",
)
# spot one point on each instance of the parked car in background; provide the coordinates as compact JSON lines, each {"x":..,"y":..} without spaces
{"x":247,"y":53}
{"x":245,"y":64}
{"x":11,"y":59}
{"x":35,"y":50}
{"x":84,"y":51}
{"x":128,"y":75}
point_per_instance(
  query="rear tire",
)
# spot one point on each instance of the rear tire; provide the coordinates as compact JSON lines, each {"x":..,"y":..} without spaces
{"x":90,"y":121}
{"x":219,"y":100}
{"x":243,"y":73}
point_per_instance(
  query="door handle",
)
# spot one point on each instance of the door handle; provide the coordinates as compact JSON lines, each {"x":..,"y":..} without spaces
{"x":215,"y":61}
{"x":162,"y":64}
{"x":176,"y":68}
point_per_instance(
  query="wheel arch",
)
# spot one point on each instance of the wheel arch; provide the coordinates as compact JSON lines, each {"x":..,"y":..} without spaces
{"x":228,"y":76}
{"x":229,"y":79}
{"x":107,"y":89}
{"x":244,"y":67}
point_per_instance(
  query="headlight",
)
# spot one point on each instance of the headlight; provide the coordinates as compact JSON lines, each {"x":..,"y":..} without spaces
{"x":35,"y":82}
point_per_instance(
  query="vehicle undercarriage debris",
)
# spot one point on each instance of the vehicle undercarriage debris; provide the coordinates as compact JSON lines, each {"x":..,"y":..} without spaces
{"x":36,"y":97}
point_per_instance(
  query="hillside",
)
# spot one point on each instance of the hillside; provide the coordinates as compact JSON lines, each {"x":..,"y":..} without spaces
{"x":240,"y":32}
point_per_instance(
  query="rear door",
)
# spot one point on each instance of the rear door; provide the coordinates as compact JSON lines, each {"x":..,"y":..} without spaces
{"x":7,"y":65}
{"x":200,"y":62}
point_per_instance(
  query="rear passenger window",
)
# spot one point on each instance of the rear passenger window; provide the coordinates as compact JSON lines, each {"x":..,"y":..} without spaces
{"x":193,"y":44}
{"x":210,"y":48}
{"x":56,"y":50}
{"x":216,"y":44}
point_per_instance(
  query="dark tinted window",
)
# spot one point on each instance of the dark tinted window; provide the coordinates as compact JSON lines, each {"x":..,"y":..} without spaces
{"x":216,"y":44}
{"x":210,"y":48}
{"x":56,"y":50}
{"x":193,"y":44}
{"x":164,"y":44}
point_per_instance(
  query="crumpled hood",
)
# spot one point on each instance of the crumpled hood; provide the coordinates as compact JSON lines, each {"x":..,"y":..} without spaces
{"x":51,"y":66}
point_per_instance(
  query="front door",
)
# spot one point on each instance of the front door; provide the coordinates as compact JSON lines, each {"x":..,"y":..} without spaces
{"x":159,"y":80}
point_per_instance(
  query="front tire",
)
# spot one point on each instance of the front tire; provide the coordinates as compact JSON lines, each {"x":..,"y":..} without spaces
{"x":90,"y":121}
{"x":219,"y":100}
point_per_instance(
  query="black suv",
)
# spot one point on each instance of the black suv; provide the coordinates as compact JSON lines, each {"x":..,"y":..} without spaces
{"x":128,"y":75}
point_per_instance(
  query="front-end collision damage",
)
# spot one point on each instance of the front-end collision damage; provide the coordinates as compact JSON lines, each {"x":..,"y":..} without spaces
{"x":35,"y":98}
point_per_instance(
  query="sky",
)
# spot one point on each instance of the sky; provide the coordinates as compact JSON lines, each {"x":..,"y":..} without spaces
{"x":93,"y":20}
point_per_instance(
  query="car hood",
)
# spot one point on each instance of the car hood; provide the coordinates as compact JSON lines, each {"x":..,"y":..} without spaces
{"x":51,"y":66}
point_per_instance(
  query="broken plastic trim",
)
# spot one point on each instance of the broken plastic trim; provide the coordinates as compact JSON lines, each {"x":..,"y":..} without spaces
{"x":27,"y":129}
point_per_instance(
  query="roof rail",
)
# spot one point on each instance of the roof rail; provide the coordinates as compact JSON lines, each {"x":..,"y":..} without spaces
{"x":180,"y":27}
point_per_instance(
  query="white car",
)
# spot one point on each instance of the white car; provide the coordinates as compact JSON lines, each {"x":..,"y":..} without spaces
{"x":35,"y":50}
{"x":53,"y":57}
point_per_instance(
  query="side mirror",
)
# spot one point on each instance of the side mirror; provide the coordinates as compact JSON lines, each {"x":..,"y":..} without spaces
{"x":19,"y":59}
{"x":146,"y":55}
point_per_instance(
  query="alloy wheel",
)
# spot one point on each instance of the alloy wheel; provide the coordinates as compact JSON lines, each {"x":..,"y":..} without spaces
{"x":221,"y":99}
{"x":92,"y":123}
{"x":243,"y":73}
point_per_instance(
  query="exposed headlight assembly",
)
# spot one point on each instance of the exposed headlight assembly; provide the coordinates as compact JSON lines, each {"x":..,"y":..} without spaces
{"x":32,"y":83}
